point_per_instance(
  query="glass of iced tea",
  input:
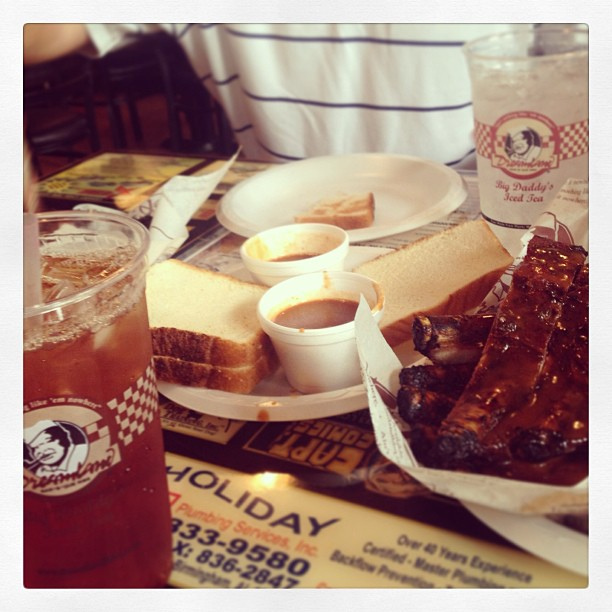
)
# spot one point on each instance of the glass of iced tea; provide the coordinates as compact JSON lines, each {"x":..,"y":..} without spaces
{"x":96,"y":505}
{"x":530,"y":96}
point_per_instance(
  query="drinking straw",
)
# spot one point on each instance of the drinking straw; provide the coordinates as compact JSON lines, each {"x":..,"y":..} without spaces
{"x":32,"y":286}
{"x":30,"y":184}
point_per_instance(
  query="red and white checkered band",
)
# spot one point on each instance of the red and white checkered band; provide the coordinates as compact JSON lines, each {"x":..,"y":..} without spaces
{"x":96,"y":432}
{"x":573,"y":140}
{"x":136,"y":408}
{"x":483,"y":137}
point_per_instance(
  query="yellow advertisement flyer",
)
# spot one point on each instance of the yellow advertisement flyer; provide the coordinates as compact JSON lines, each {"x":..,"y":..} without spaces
{"x":120,"y":179}
{"x":236,"y":530}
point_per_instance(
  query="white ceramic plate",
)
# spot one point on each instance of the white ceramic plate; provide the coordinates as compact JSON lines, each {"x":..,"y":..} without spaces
{"x":409,"y":192}
{"x":538,"y":535}
{"x":273,"y":399}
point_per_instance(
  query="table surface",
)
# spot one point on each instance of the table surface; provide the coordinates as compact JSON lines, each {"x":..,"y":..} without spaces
{"x":305,"y":503}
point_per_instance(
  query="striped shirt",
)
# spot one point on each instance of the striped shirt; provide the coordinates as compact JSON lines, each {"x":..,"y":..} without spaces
{"x":292,"y":91}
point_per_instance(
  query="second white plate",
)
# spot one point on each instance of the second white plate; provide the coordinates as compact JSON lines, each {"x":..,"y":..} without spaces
{"x":539,"y":535}
{"x":409,"y":192}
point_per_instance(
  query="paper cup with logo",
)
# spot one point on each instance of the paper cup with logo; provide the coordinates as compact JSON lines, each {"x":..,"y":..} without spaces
{"x":318,"y":359}
{"x":530,"y":97}
{"x":278,"y":253}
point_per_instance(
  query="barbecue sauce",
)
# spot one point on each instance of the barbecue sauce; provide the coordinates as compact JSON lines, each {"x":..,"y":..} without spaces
{"x":294,"y":256}
{"x":318,"y":314}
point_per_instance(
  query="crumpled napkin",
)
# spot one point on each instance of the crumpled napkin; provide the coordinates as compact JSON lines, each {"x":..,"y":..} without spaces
{"x":171,"y":207}
{"x":174,"y":205}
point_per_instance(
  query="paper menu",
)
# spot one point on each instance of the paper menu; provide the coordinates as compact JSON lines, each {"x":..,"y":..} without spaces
{"x":121,"y":179}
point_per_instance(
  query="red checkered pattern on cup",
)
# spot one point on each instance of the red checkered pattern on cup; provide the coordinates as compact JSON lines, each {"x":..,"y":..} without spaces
{"x":483,"y":137}
{"x":96,"y":432}
{"x":137,"y":407}
{"x":574,"y":140}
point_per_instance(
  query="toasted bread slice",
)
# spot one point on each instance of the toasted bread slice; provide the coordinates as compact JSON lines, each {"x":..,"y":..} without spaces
{"x":447,"y":273}
{"x":241,"y":379}
{"x":353,"y":211}
{"x":205,"y":317}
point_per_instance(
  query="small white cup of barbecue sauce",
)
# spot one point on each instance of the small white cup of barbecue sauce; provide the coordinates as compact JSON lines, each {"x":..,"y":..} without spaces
{"x":278,"y":253}
{"x":311,"y":322}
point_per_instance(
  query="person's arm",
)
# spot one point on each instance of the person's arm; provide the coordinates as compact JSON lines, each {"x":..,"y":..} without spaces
{"x":46,"y":41}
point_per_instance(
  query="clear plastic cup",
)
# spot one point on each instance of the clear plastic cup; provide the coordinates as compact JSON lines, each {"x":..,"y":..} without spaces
{"x":530,"y":97}
{"x":96,"y":504}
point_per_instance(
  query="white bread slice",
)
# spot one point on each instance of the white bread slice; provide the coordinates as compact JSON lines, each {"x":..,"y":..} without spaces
{"x":241,"y":379}
{"x":206,"y":317}
{"x":352,"y":211}
{"x":446,"y":273}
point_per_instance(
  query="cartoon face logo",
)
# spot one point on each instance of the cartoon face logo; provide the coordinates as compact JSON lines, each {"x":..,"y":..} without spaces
{"x":523,"y":145}
{"x":54,"y":446}
{"x":386,"y":478}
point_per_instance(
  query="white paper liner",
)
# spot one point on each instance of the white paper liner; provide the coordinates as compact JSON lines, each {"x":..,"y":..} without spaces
{"x":565,"y":220}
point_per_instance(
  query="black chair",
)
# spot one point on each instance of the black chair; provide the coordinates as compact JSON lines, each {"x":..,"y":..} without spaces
{"x":59,"y":110}
{"x":124,"y":77}
{"x":156,"y":64}
{"x":191,"y":106}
